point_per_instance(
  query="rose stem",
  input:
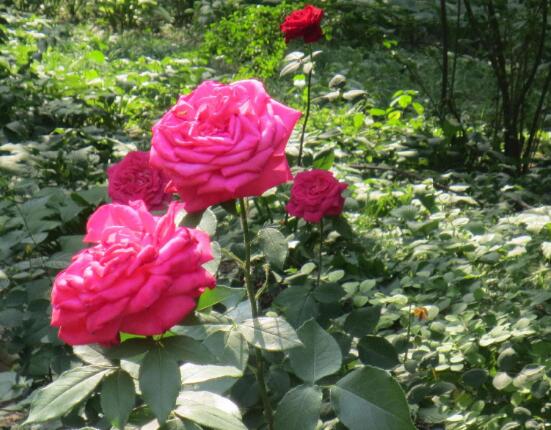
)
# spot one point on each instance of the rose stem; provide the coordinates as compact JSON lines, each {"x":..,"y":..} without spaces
{"x":319,"y":255}
{"x":308,"y":85}
{"x":408,"y":334}
{"x":254,"y":310}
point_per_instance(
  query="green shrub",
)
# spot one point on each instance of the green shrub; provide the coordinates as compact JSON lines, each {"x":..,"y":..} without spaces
{"x":249,"y":40}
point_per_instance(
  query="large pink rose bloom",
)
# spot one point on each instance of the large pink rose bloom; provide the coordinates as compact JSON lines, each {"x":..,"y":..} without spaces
{"x":132,"y":178}
{"x":222,"y":142}
{"x":142,"y":276}
{"x":316,"y":194}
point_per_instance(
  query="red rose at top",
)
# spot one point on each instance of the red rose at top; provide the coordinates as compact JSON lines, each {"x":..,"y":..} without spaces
{"x":303,"y":23}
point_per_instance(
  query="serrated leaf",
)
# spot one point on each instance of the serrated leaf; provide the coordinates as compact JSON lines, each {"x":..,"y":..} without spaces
{"x":183,"y":348}
{"x":377,"y":351}
{"x":331,"y":96}
{"x":298,"y":304}
{"x":217,"y":295}
{"x":160,"y":382}
{"x":205,"y":220}
{"x":290,"y":68}
{"x":319,"y":356}
{"x":274,"y":246}
{"x":195,"y":374}
{"x":337,"y":81}
{"x":299,"y":409}
{"x":362,"y":321}
{"x":130,"y":348}
{"x":370,"y":399}
{"x":91,"y":355}
{"x":210,"y":410}
{"x":207,"y":324}
{"x":212,"y":265}
{"x":72,"y":387}
{"x":352,"y":94}
{"x":117,"y":398}
{"x":294,"y":56}
{"x":229,"y":348}
{"x":271,"y":334}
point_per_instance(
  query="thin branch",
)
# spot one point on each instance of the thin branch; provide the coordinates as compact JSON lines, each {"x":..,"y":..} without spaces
{"x":445,"y":49}
{"x":530,"y":147}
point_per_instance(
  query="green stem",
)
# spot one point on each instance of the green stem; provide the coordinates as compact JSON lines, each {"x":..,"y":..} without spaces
{"x":319,"y":255}
{"x":254,"y":310}
{"x":408,"y":333}
{"x":308,"y":100}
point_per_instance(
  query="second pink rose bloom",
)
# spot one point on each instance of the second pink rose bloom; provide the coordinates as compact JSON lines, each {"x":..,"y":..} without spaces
{"x":223,"y":142}
{"x":133,"y":179}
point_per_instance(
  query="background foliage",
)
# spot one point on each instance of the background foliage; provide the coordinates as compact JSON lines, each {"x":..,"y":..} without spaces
{"x":438,"y":274}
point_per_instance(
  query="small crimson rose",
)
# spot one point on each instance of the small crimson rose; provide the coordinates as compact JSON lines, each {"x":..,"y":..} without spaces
{"x":315,"y":194}
{"x":222,"y":142}
{"x":303,"y":23}
{"x":142,"y":276}
{"x":133,"y":178}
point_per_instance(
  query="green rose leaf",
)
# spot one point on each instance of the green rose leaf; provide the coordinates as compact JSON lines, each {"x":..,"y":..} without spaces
{"x":271,"y":334}
{"x":91,"y":355}
{"x":299,"y":409}
{"x":194,"y":374}
{"x":297,"y":304}
{"x":218,"y":295}
{"x":187,"y":349}
{"x":210,"y":410}
{"x":118,"y":397}
{"x":370,"y":399}
{"x":72,"y":387}
{"x":160,"y":382}
{"x":229,"y":348}
{"x":274,"y":246}
{"x":362,"y":321}
{"x":377,"y":351}
{"x":205,"y":220}
{"x":320,"y":356}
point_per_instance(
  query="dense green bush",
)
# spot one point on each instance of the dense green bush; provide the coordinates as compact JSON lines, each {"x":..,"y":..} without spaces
{"x":249,"y":41}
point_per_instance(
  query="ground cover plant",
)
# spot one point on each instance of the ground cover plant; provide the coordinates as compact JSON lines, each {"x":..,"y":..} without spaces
{"x":275,"y":215}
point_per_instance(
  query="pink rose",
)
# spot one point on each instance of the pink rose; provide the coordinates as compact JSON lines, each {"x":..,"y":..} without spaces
{"x":222,"y":142}
{"x":142,"y":276}
{"x":133,"y":179}
{"x":315,"y":194}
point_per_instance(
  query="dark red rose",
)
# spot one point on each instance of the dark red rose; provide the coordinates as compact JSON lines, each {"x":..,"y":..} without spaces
{"x":315,"y":194}
{"x":303,"y":23}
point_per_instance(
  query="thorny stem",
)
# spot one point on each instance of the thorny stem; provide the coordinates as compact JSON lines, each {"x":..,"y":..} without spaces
{"x":254,"y":309}
{"x":308,"y":99}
